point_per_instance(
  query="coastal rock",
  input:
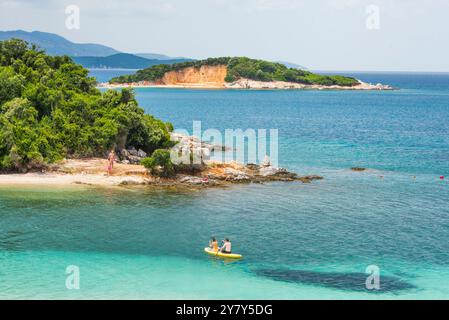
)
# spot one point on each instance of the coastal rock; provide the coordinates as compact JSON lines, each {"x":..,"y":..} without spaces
{"x":243,"y":83}
{"x":241,"y":178}
{"x":191,"y":145}
{"x":132,"y":156}
{"x":141,"y":153}
{"x":134,"y":159}
{"x":194,"y":180}
{"x":92,"y":171}
{"x":266,"y":162}
{"x":124,"y":153}
{"x":191,"y":180}
{"x":233,"y":172}
{"x":252,"y":166}
{"x":271,"y":171}
{"x":236,"y":175}
{"x":133,"y":152}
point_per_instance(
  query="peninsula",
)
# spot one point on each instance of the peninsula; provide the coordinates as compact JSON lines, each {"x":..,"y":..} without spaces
{"x":57,"y":128}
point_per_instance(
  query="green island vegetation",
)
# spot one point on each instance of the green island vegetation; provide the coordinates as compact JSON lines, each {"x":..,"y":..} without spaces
{"x":160,"y":164}
{"x":242,"y":67}
{"x":50,"y":110}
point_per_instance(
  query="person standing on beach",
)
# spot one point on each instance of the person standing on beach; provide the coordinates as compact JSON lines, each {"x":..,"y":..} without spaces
{"x":111,"y":159}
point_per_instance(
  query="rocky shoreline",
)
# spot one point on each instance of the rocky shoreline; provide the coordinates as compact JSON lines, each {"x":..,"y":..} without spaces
{"x":91,"y":172}
{"x":128,"y":171}
{"x":247,"y":84}
{"x":251,"y":84}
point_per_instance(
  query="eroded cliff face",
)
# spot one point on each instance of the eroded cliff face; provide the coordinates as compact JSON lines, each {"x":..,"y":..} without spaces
{"x":205,"y":76}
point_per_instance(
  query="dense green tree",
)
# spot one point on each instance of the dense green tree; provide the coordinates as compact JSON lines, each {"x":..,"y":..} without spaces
{"x":50,"y":109}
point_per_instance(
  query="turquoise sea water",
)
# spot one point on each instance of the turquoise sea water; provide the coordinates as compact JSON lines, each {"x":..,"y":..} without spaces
{"x":299,"y":240}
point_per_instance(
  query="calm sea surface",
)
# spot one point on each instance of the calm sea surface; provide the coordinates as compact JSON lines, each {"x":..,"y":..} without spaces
{"x":299,"y":240}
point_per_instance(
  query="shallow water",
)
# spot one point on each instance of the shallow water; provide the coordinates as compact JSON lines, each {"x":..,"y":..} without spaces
{"x":299,"y":240}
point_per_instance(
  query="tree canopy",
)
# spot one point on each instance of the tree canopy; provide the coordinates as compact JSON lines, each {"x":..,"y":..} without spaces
{"x":50,"y":109}
{"x":242,"y":67}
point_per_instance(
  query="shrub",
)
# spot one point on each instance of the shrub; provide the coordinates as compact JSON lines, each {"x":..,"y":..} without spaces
{"x":160,"y":163}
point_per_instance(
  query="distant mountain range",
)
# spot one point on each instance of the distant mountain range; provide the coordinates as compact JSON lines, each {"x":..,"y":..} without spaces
{"x":122,"y":61}
{"x":56,"y":45}
{"x":158,"y":56}
{"x":91,"y":55}
{"x":292,"y":65}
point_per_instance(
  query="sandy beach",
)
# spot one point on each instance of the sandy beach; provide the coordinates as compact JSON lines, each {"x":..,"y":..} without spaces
{"x":86,"y":171}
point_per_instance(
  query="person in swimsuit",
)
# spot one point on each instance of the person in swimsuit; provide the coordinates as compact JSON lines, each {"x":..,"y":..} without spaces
{"x":111,"y":159}
{"x":213,"y":244}
{"x":226,"y":247}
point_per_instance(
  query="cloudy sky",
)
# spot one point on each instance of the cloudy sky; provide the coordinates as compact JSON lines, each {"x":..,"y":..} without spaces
{"x":390,"y":35}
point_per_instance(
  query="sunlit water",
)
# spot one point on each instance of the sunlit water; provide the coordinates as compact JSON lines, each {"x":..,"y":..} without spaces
{"x":298,"y":240}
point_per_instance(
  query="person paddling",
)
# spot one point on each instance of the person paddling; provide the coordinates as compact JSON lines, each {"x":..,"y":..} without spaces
{"x":213,"y":244}
{"x":226,"y":247}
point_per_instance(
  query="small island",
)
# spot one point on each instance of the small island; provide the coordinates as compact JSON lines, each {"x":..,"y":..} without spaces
{"x":236,"y":73}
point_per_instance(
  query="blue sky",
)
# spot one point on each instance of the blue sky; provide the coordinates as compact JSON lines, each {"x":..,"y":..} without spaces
{"x":409,"y":35}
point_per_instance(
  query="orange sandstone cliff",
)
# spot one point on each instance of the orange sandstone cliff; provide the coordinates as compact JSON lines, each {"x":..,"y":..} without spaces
{"x":205,"y":76}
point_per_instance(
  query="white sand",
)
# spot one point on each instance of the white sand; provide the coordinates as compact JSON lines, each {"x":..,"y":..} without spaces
{"x":56,"y":179}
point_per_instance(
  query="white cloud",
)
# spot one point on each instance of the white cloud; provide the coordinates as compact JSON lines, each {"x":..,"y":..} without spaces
{"x":322,"y":34}
{"x":259,"y":5}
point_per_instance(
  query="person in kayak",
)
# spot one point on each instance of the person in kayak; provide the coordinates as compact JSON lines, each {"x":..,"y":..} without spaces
{"x":226,"y":247}
{"x":213,"y":244}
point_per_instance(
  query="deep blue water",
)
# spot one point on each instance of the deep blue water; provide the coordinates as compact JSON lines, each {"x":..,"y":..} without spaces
{"x":299,"y":240}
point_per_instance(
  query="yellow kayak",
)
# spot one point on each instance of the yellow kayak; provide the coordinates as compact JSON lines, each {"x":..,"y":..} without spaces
{"x":223,"y":255}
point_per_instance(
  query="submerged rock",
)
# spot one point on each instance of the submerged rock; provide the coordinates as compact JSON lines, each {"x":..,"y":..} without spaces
{"x":350,"y":281}
{"x":308,"y":179}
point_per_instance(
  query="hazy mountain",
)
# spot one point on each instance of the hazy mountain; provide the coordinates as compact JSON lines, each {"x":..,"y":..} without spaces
{"x":57,"y":45}
{"x":292,"y":65}
{"x":122,"y":61}
{"x":159,"y":56}
{"x":92,"y":55}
